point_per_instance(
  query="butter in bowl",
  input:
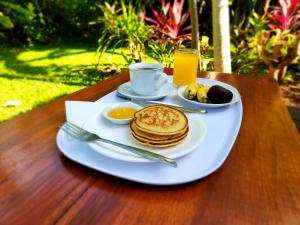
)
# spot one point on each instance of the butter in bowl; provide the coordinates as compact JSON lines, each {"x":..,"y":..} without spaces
{"x":121,"y":113}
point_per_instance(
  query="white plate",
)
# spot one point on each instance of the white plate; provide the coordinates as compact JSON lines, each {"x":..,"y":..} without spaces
{"x":125,"y":90}
{"x":236,"y":96}
{"x":121,"y":134}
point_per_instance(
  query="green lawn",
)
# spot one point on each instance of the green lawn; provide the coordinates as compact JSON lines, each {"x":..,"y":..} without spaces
{"x":37,"y":75}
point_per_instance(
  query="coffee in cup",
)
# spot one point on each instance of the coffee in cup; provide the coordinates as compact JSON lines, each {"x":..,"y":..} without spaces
{"x":146,"y":78}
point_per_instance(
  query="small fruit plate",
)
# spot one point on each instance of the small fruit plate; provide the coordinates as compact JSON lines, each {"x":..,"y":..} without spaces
{"x":236,"y":96}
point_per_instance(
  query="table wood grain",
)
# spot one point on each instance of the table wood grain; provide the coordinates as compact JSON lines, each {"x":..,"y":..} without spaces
{"x":259,"y":183}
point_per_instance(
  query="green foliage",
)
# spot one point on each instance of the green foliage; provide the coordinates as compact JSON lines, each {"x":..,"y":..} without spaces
{"x":240,"y":11}
{"x":35,"y":21}
{"x":5,"y":21}
{"x":121,"y":26}
{"x":13,"y":11}
{"x":268,"y":42}
{"x":23,"y":19}
{"x":162,"y":51}
{"x":278,"y":51}
{"x":244,"y":48}
{"x":69,"y":19}
{"x":26,"y":12}
{"x":277,"y":45}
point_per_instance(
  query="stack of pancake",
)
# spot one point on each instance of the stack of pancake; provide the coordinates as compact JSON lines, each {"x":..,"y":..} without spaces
{"x":159,"y":126}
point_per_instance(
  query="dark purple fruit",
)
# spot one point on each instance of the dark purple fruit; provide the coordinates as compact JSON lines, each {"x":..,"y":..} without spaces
{"x":217,"y":94}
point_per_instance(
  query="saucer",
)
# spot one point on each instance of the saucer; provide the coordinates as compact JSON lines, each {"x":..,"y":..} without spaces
{"x":126,"y":90}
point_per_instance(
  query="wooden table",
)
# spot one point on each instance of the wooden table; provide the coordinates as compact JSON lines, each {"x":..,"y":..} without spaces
{"x":259,"y":183}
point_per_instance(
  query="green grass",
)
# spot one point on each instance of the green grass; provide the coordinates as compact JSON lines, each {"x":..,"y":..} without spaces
{"x":37,"y":75}
{"x":31,"y":93}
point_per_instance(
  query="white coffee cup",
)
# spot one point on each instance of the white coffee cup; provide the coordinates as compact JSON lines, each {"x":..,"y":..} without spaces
{"x":146,"y":78}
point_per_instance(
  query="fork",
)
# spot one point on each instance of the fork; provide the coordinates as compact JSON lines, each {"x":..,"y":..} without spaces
{"x":86,"y":136}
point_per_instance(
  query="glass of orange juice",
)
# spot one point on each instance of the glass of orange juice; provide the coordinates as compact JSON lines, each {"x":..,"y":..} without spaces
{"x":185,"y":66}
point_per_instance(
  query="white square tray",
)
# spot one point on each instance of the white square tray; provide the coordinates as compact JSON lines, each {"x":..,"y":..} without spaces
{"x":222,"y":125}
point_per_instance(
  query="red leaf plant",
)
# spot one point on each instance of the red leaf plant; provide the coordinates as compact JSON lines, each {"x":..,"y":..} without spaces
{"x":285,"y":16}
{"x":280,"y":46}
{"x":170,"y":22}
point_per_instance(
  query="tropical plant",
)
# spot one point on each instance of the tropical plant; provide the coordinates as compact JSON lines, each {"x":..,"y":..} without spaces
{"x":169,"y":30}
{"x":263,"y":44}
{"x":5,"y":24}
{"x":285,"y":16}
{"x":122,"y":26}
{"x":5,"y":21}
{"x":162,"y":51}
{"x":39,"y":22}
{"x":12,"y":13}
{"x":244,"y":27}
{"x":280,"y":46}
{"x":171,"y":23}
{"x":27,"y":22}
{"x":241,"y":11}
{"x":244,"y":51}
{"x":136,"y":49}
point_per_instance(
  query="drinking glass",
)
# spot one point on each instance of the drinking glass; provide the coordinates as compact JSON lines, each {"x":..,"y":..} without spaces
{"x":185,"y":66}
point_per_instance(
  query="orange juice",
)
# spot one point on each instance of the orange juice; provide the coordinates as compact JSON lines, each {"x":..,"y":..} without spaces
{"x":185,"y":66}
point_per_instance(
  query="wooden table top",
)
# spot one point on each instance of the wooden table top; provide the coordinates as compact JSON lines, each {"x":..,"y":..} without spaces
{"x":259,"y":183}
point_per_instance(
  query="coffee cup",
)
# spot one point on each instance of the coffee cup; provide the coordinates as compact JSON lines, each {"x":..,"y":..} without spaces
{"x":146,"y":78}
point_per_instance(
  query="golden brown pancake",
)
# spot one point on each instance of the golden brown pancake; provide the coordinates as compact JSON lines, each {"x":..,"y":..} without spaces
{"x":158,"y":144}
{"x":159,"y":126}
{"x":150,"y":136}
{"x":160,"y":120}
{"x":169,"y":140}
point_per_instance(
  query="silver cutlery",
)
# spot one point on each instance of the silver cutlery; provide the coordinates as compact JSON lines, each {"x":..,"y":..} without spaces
{"x":86,"y":136}
{"x":182,"y":108}
{"x":146,"y":103}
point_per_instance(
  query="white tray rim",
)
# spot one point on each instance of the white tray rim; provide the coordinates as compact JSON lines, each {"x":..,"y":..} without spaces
{"x":229,"y":144}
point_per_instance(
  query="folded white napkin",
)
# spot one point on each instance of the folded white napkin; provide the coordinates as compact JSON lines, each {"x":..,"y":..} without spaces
{"x":78,"y":112}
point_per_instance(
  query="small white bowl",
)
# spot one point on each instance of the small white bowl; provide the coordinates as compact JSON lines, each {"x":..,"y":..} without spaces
{"x":117,"y":105}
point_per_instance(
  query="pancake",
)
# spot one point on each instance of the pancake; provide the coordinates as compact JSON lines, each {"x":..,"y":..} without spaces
{"x":159,"y":141}
{"x":162,"y":140}
{"x":142,"y":134}
{"x":159,"y":126}
{"x":163,"y":144}
{"x":161,"y":120}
